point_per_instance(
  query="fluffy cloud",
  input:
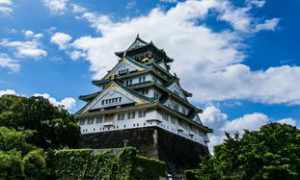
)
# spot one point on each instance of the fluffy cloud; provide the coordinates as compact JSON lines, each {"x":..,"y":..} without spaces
{"x":213,"y":59}
{"x":56,"y":6}
{"x":168,"y":1}
{"x":21,"y":49}
{"x":61,"y":39}
{"x":31,"y":34}
{"x":7,"y":92}
{"x":6,"y":6}
{"x":258,"y":3}
{"x":24,"y":49}
{"x":289,"y":121}
{"x":67,"y":103}
{"x":9,"y":63}
{"x":29,"y":48}
{"x":269,"y":24}
{"x":219,"y":122}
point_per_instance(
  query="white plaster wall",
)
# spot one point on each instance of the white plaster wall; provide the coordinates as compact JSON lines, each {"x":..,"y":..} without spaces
{"x":152,"y":119}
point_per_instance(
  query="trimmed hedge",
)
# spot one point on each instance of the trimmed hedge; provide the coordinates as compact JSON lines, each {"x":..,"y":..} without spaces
{"x":105,"y":164}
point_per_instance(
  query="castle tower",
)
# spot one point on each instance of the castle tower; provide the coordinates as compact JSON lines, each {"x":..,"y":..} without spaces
{"x":141,"y":103}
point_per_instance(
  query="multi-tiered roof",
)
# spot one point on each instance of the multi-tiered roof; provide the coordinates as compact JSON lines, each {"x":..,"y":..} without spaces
{"x":142,"y":58}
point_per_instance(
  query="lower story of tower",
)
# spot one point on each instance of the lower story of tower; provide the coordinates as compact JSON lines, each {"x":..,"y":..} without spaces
{"x":142,"y":118}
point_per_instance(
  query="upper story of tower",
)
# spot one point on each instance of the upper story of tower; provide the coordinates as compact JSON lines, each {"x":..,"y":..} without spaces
{"x":146,"y":53}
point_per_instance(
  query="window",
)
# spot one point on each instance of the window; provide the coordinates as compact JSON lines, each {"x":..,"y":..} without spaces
{"x":175,"y":107}
{"x":173,"y":120}
{"x":121,"y":116}
{"x":123,"y":71}
{"x":129,"y":82}
{"x":142,"y":113}
{"x":131,"y":115}
{"x":99,"y":119}
{"x":90,"y":121}
{"x":111,"y":101}
{"x":144,"y":91}
{"x":165,"y":116}
{"x":184,"y":111}
{"x":156,"y":95}
{"x":142,"y":79}
{"x":81,"y":122}
{"x":108,"y":117}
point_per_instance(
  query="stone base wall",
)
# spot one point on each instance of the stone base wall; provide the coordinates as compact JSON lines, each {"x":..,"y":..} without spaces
{"x":178,"y":152}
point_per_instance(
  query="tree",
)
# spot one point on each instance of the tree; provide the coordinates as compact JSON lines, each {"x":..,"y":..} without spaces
{"x":18,"y":158}
{"x":52,"y":127}
{"x":272,"y":153}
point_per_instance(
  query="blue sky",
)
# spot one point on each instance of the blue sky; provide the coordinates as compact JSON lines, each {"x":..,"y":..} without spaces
{"x":240,"y":59}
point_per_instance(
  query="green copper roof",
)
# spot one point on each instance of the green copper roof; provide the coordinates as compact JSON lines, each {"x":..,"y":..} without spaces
{"x":188,"y":94}
{"x":89,"y":97}
{"x":175,"y":96}
{"x":139,"y":45}
{"x":138,"y":42}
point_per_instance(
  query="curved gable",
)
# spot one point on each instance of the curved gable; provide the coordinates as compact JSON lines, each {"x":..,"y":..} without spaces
{"x":113,"y":95}
{"x":123,"y":67}
{"x":175,"y":87}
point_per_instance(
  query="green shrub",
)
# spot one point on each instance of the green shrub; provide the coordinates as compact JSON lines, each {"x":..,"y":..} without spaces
{"x":106,"y":164}
{"x":11,"y":165}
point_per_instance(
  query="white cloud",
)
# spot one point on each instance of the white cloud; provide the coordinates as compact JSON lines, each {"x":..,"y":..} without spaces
{"x":76,"y":55}
{"x":239,"y":18}
{"x":168,"y":1}
{"x":5,"y":2}
{"x":26,"y":49}
{"x":67,"y":103}
{"x":258,"y":3}
{"x":7,"y":92}
{"x":247,"y":122}
{"x":9,"y":63}
{"x":56,"y":6}
{"x":6,"y":6}
{"x":31,"y":34}
{"x":269,"y":24}
{"x":212,"y":59}
{"x":219,"y":122}
{"x":288,"y":121}
{"x":61,"y":39}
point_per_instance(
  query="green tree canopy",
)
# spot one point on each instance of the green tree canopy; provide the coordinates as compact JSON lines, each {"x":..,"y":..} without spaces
{"x":18,"y":158}
{"x":272,"y":153}
{"x":53,"y":126}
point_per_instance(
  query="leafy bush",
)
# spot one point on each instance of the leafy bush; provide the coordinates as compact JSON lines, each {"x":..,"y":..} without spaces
{"x":117,"y":164}
{"x":272,"y":153}
{"x":11,"y":165}
{"x":18,"y":158}
{"x":35,"y":164}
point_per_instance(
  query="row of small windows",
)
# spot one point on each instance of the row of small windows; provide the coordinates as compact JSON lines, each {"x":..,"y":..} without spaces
{"x":175,"y":106}
{"x":117,"y":127}
{"x":141,"y":79}
{"x":144,"y":91}
{"x":111,"y":100}
{"x":176,"y":121}
{"x":123,"y":71}
{"x":120,"y":116}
